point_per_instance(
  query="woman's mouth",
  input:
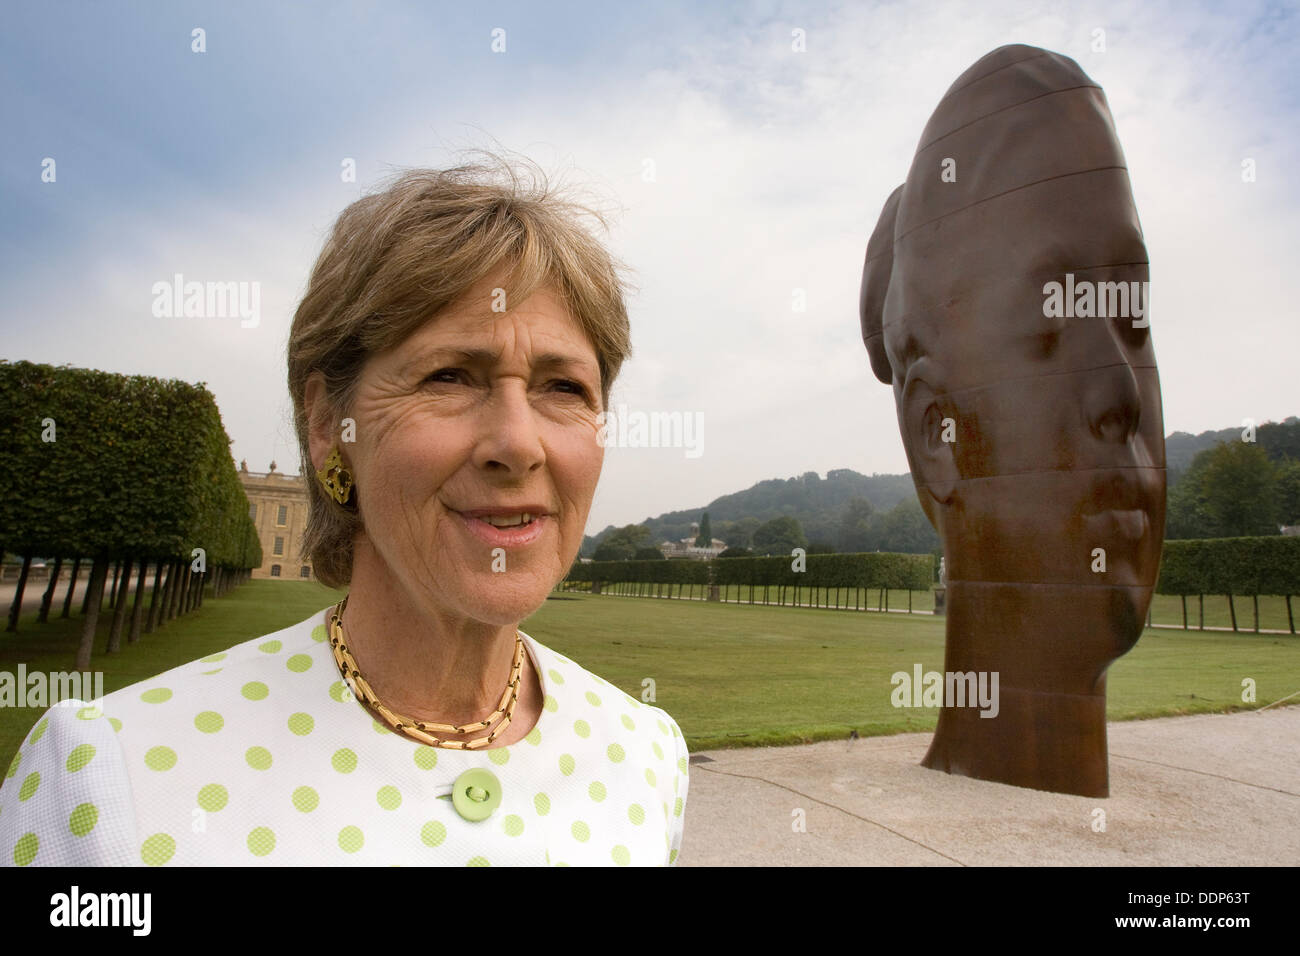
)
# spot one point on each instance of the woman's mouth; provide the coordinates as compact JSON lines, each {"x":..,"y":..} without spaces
{"x":505,"y":530}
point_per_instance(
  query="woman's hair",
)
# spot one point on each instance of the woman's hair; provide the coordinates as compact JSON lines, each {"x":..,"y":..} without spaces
{"x":398,"y":257}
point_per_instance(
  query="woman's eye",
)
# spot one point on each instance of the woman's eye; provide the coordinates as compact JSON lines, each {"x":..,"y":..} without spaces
{"x":446,"y":375}
{"x":572,"y":387}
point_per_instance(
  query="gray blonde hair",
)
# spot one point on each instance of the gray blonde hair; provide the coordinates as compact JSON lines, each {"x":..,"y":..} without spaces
{"x":399,"y":256}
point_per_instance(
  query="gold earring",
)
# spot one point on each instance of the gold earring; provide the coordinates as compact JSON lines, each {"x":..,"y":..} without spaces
{"x":336,"y":479}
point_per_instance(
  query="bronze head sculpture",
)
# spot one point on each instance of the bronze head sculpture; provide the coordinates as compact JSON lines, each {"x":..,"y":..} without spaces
{"x":1004,"y":297}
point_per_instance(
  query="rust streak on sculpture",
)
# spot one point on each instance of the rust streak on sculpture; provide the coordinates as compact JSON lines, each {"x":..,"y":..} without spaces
{"x":1056,"y":433}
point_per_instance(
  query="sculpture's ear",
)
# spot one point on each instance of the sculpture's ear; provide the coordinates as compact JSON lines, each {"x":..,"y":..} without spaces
{"x":875,"y":283}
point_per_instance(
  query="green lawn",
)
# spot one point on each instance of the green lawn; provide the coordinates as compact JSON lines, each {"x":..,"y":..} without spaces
{"x":730,"y":674}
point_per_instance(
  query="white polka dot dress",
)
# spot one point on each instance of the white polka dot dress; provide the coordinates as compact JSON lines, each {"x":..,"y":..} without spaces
{"x":259,"y":755}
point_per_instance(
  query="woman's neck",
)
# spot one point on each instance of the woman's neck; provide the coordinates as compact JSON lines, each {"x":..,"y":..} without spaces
{"x":428,"y":662}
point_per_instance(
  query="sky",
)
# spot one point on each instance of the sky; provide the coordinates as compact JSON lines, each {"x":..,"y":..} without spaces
{"x":743,"y":175}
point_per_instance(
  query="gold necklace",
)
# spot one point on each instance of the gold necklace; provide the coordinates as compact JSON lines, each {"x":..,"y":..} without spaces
{"x":423,"y":730}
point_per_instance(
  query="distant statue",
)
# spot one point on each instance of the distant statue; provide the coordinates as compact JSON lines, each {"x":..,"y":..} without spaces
{"x":943,"y":574}
{"x":1004,"y":299}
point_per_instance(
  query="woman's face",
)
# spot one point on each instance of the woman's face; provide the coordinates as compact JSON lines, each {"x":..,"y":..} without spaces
{"x":478,"y":421}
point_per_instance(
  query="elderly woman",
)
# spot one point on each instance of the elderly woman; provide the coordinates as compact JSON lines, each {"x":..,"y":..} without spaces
{"x":447,"y":366}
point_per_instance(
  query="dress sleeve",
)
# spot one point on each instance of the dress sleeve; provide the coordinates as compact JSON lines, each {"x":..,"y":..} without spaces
{"x":66,"y":798}
{"x":682,"y":768}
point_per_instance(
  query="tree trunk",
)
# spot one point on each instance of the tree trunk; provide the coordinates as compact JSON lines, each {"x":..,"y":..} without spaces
{"x":94,"y":598}
{"x":72,"y":586}
{"x":112,"y":594}
{"x":1232,"y":609}
{"x":119,"y":606}
{"x":1184,"y":597}
{"x":16,"y":608}
{"x":49,"y":591}
{"x":153,"y":598}
{"x":1255,"y":598}
{"x":173,"y":602}
{"x":137,"y":606}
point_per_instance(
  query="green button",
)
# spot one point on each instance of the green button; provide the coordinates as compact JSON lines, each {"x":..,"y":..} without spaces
{"x":476,"y":794}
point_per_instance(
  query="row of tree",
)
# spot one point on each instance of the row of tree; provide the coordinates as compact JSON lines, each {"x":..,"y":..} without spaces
{"x":112,"y":469}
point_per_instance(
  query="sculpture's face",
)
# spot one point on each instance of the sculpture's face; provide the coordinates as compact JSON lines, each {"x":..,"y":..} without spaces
{"x":1059,"y":432}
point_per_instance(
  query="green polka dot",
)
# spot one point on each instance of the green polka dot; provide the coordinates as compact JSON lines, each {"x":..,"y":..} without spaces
{"x":25,"y":849}
{"x":89,"y":713}
{"x":270,"y":647}
{"x":636,"y":813}
{"x":39,"y":732}
{"x":534,"y":737}
{"x":677,"y":807}
{"x":582,"y":728}
{"x":628,"y":722}
{"x":621,"y":855}
{"x":318,"y":633}
{"x":157,"y":850}
{"x":298,"y":663}
{"x":209,"y":722}
{"x":156,"y":695}
{"x":344,"y":760}
{"x":555,"y":675}
{"x":160,"y":758}
{"x":659,"y":751}
{"x":259,"y":758}
{"x":426,"y":757}
{"x":592,"y":699}
{"x":379,"y":728}
{"x":649,"y":776}
{"x":83,"y":819}
{"x":433,"y":833}
{"x":513,"y":825}
{"x":542,"y":804}
{"x":390,"y":798}
{"x":117,"y":724}
{"x":301,"y":724}
{"x":351,"y":839}
{"x":499,"y":755}
{"x":566,"y":764}
{"x":478,"y":861}
{"x":663,"y":728}
{"x":596,"y":791}
{"x":79,"y":757}
{"x":254,"y":690}
{"x":615,"y":753}
{"x":213,"y":797}
{"x":261,"y":841}
{"x":550,"y":704}
{"x":339,"y":691}
{"x":672,"y":856}
{"x":29,"y":786}
{"x":681,"y":764}
{"x":210,"y":673}
{"x":306,"y":799}
{"x":581,"y":832}
{"x":13,"y":765}
{"x":212,"y":658}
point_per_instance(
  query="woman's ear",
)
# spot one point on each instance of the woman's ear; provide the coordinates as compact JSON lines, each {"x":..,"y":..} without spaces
{"x":321,"y":432}
{"x":929,"y":429}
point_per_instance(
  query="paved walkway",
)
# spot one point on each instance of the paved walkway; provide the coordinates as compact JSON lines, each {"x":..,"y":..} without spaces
{"x":1219,"y":789}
